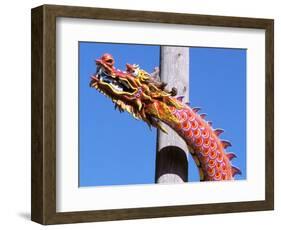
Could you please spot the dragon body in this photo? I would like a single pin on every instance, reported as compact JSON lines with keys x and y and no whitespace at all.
{"x":145,"y":97}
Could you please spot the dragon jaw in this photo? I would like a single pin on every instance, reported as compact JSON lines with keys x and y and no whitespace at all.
{"x":110,"y":84}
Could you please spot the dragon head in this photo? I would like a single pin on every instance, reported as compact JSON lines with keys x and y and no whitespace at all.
{"x":135,"y":91}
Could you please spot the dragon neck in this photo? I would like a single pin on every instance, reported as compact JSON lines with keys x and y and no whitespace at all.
{"x":204,"y":143}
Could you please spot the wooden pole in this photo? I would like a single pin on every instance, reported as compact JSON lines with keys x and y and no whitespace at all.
{"x":172,"y":151}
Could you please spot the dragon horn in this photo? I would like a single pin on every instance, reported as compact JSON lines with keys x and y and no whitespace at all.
{"x":226,"y":143}
{"x":218,"y":131}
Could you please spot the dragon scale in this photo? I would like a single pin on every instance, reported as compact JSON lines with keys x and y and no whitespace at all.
{"x":205,"y":146}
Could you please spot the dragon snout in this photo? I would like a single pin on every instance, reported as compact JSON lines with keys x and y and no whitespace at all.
{"x":93,"y":81}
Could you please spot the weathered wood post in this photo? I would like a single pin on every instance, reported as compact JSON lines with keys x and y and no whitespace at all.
{"x":171,"y":158}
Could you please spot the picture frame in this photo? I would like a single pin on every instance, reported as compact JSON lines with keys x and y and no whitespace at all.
{"x":44,"y":110}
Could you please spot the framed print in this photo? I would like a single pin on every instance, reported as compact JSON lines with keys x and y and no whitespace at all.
{"x":119,"y":114}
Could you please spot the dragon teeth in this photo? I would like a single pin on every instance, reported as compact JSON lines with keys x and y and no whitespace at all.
{"x":123,"y":106}
{"x":128,"y":108}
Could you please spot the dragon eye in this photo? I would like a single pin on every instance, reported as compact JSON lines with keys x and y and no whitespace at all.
{"x":135,"y":72}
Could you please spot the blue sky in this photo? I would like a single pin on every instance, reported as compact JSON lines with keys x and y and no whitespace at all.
{"x":116,"y":149}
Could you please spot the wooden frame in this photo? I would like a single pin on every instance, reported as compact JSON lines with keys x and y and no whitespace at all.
{"x":43,"y":208}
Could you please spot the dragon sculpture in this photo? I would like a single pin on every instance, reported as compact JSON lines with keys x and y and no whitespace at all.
{"x":146,"y":98}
